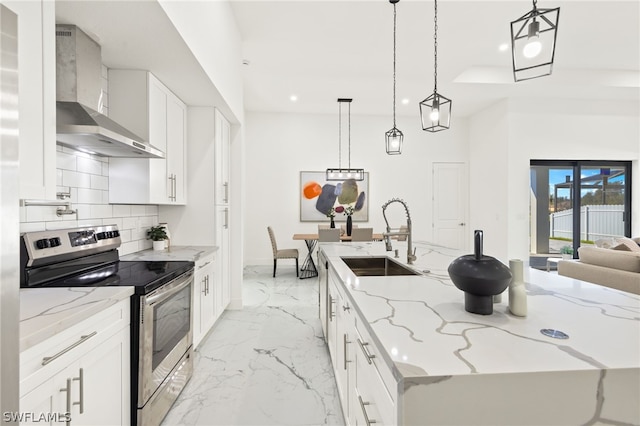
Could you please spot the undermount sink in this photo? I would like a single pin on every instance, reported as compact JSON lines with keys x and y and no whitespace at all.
{"x":376,"y":267}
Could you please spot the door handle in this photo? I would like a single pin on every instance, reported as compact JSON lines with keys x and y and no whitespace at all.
{"x":226,"y":218}
{"x":67,"y":389}
{"x":80,"y":401}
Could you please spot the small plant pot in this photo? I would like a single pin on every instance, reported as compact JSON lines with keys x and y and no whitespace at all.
{"x":159,"y":245}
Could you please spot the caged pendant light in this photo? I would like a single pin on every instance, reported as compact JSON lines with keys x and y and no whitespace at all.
{"x":533,"y":43}
{"x":394,"y":137}
{"x":435,"y":110}
{"x":341,"y":174}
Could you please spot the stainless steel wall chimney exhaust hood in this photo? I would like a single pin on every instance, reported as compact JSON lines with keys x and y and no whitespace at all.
{"x":79,"y":98}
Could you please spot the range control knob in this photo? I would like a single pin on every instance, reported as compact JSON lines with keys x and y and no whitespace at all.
{"x":54,"y":242}
{"x":101,"y":235}
{"x":116,"y":234}
{"x":43,"y":243}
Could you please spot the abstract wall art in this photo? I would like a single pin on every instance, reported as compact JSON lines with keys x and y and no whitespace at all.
{"x":318,"y":196}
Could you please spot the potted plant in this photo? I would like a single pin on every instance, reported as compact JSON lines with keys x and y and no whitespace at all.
{"x":567,"y":252}
{"x":331,"y":214}
{"x":348,"y":211}
{"x":158,"y":235}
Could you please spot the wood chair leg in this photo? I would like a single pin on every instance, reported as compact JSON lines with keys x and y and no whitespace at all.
{"x":297,"y":273}
{"x":275,"y":262}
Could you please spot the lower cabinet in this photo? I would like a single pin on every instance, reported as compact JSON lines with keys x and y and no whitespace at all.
{"x":81,"y":377}
{"x":205,"y":298}
{"x":365,"y":383}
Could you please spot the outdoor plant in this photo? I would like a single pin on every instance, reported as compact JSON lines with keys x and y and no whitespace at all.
{"x":157,"y":233}
{"x":566,"y":250}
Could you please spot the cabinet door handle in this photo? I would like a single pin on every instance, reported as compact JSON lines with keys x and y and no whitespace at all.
{"x":80,"y":401}
{"x":202,"y":266}
{"x":208,"y":291}
{"x":226,"y":192}
{"x":204,"y":285}
{"x":331,"y":313}
{"x":46,"y":360}
{"x":366,"y":352}
{"x":364,"y":411}
{"x":226,"y":218}
{"x":344,"y":343}
{"x":175,"y":187}
{"x":68,"y":391}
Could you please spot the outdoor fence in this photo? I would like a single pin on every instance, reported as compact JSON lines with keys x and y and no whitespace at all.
{"x":595,"y":222}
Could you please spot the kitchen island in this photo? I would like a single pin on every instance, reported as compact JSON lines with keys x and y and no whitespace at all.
{"x":435,"y":363}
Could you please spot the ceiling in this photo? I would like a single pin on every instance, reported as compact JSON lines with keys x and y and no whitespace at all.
{"x":327,"y":49}
{"x":323,"y":50}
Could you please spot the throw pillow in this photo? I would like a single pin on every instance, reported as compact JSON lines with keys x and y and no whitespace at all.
{"x":626,"y":244}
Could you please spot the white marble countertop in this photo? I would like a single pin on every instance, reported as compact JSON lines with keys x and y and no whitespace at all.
{"x":190,"y":253}
{"x":45,"y":312}
{"x":422,"y":324}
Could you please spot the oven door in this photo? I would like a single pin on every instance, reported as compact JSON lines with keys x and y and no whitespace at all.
{"x":165,"y":332}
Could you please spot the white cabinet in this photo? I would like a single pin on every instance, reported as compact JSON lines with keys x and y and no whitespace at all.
{"x":223,"y":279}
{"x":205,"y":298}
{"x":222,"y":199}
{"x":37,"y":97}
{"x":82,"y":374}
{"x":222,"y":156}
{"x":141,"y":103}
{"x":344,"y":344}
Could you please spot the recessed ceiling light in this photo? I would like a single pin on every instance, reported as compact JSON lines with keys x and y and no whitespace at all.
{"x":405,"y":101}
{"x":293,"y":98}
{"x":503,"y":47}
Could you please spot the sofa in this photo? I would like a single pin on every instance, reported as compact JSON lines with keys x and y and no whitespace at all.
{"x":616,"y":267}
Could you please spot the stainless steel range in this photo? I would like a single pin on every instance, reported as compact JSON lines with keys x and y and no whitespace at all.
{"x":161,"y":318}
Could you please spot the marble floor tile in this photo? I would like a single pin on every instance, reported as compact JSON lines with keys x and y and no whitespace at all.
{"x":266,"y":364}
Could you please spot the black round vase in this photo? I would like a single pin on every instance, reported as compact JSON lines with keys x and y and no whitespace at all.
{"x":480,"y":277}
{"x":349,"y":225}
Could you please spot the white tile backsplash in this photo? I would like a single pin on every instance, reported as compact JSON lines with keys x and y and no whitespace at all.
{"x":86,"y":178}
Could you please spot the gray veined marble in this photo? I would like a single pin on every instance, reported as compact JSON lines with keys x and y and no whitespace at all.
{"x":266,"y":364}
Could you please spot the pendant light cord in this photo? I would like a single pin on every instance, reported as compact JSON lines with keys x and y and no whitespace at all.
{"x":340,"y":135}
{"x":394,"y":65}
{"x":349,"y":135}
{"x":435,"y":46}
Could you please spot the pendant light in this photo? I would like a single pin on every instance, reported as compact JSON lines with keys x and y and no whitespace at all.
{"x":394,"y":137}
{"x":341,"y":174}
{"x":435,"y":111}
{"x":533,"y":43}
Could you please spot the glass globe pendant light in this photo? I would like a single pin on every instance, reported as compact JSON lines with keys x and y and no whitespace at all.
{"x":394,"y":137}
{"x":435,"y":110}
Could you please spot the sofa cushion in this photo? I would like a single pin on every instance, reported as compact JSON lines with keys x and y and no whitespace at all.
{"x":623,"y":260}
{"x":626,"y":244}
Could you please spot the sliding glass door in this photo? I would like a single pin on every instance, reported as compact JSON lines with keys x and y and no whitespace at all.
{"x":574,"y":203}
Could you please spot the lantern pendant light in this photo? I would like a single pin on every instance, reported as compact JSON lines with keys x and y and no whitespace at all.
{"x":435,"y":110}
{"x":533,"y":43}
{"x":341,"y":174}
{"x":394,"y":137}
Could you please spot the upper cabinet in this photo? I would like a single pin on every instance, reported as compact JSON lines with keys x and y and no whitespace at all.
{"x":141,"y":103}
{"x":222,"y":159}
{"x":37,"y":97}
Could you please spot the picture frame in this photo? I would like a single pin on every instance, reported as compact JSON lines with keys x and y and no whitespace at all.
{"x":317,"y":195}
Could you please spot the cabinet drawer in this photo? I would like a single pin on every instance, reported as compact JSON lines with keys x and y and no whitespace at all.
{"x":371,"y":401}
{"x":204,"y":261}
{"x":45,"y":359}
{"x":373,"y":360}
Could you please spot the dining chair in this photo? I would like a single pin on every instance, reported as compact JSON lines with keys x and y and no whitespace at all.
{"x":329,"y":235}
{"x":362,"y":234}
{"x":281,"y":253}
{"x":343,"y":228}
{"x":403,"y":228}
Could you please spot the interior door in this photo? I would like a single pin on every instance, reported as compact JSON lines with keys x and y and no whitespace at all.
{"x":450,"y":204}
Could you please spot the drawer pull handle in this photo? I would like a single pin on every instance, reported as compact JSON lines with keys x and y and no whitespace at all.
{"x":364,"y":411}
{"x":80,"y":401}
{"x":366,"y":352}
{"x":68,"y":391}
{"x":46,"y":360}
{"x":344,"y":342}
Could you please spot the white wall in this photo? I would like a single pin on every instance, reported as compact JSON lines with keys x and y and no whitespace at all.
{"x":280,"y":146}
{"x":545,"y":129}
{"x":209,"y":29}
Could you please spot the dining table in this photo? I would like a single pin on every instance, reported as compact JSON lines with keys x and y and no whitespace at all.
{"x":308,"y":269}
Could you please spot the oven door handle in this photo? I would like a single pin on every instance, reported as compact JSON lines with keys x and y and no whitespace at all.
{"x":169,"y":289}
